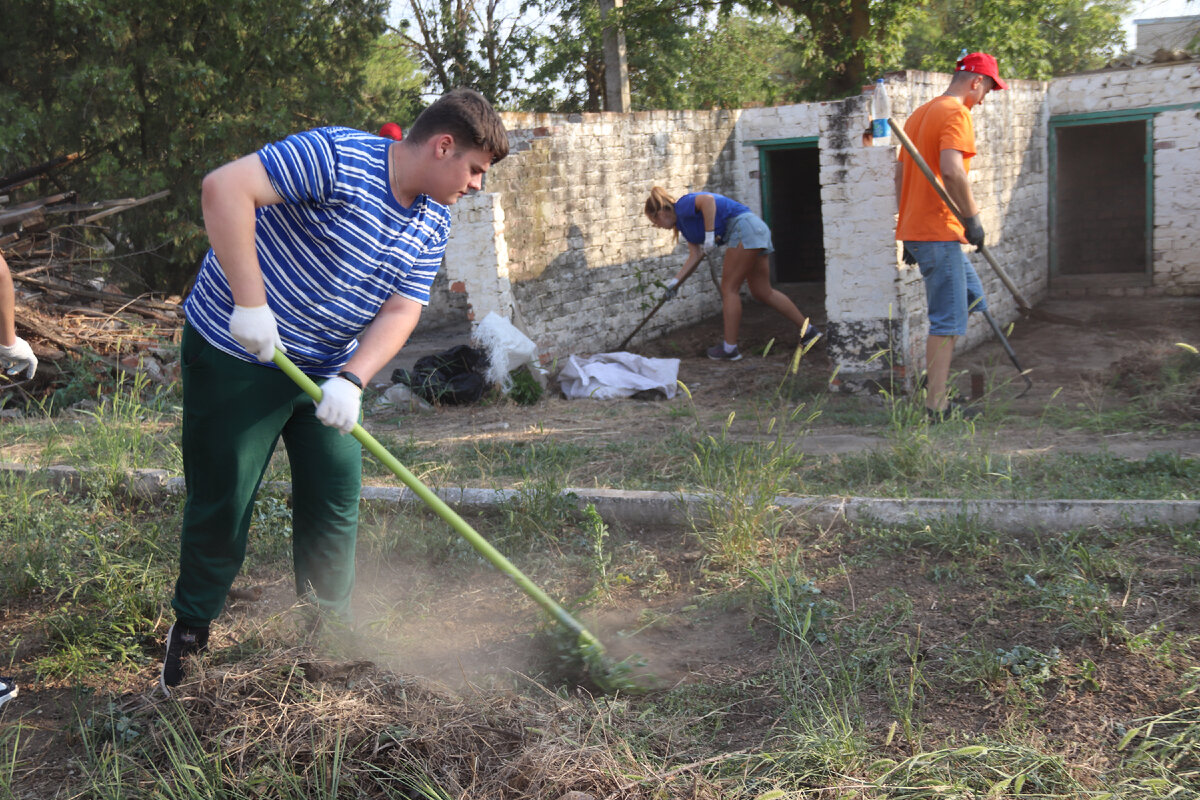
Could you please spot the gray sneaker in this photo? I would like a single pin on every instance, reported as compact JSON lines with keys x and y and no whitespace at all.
{"x":717,"y":353}
{"x":8,"y":690}
{"x":810,"y":336}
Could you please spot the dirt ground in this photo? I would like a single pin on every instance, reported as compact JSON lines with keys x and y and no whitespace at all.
{"x":467,"y":630}
{"x":1071,"y":366}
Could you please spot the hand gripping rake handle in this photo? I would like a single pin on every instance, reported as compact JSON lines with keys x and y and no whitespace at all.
{"x":712,"y":271}
{"x":481,"y":545}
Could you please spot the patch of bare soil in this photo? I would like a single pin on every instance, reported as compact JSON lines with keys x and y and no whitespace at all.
{"x":1090,"y":367}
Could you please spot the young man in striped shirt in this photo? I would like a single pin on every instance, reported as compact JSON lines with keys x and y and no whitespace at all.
{"x":324,"y":245}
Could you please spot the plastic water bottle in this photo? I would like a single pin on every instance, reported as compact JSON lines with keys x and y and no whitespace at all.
{"x":881,"y":109}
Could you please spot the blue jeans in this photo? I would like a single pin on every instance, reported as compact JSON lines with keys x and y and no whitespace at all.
{"x":952,"y":287}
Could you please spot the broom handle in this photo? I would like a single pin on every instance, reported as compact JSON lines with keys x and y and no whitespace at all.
{"x":1022,"y":303}
{"x":460,"y":525}
{"x":711,"y":271}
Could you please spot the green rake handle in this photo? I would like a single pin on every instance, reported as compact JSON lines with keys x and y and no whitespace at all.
{"x":481,"y":545}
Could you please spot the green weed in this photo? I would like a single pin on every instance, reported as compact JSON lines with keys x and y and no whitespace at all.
{"x":1165,"y":751}
{"x":742,"y":480}
{"x":10,"y":760}
{"x":123,"y":432}
{"x":1028,"y":666}
{"x":976,"y":770}
{"x":536,"y":515}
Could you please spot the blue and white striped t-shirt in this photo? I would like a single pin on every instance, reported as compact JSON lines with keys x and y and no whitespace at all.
{"x":337,"y":247}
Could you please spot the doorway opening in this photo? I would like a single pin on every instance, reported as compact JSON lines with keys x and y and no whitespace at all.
{"x":791,"y":201}
{"x":1101,"y":201}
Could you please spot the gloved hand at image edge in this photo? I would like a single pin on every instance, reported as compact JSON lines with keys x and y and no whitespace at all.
{"x":973,"y":231}
{"x":255,"y":329}
{"x":340,"y":404}
{"x":18,"y":356}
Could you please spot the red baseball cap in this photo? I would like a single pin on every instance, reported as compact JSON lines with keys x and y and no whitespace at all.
{"x":392,"y":131}
{"x":981,"y":64}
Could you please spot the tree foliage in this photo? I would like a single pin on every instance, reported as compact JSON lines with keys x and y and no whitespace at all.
{"x":1032,"y":39}
{"x":156,"y":94}
{"x":697,"y":54}
{"x":481,"y":44}
{"x":732,"y":61}
{"x":841,"y":44}
{"x":394,"y":81}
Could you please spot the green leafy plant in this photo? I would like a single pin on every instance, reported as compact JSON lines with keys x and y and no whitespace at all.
{"x":526,"y":390}
{"x":1029,"y":666}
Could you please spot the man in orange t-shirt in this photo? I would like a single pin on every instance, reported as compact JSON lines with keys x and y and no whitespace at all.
{"x":944,"y":135}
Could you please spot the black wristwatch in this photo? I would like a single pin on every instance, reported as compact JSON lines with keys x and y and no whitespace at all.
{"x":350,"y":376}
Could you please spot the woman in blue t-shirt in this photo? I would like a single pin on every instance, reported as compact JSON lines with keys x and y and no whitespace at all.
{"x":706,"y":219}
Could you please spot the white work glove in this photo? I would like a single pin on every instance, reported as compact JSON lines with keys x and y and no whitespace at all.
{"x":672,"y":289}
{"x":710,"y":241}
{"x":18,"y":356}
{"x":255,"y":329}
{"x":340,"y":401}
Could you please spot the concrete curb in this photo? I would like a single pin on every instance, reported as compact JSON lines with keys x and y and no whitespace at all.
{"x":677,"y":509}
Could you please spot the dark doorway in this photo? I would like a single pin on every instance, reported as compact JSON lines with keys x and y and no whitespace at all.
{"x":1100,"y":208}
{"x":792,"y":205}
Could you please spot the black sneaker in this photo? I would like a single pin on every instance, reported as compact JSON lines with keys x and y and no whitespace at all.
{"x":810,"y":336}
{"x":718,"y":353}
{"x":952,"y":410}
{"x":182,"y":641}
{"x":8,"y":690}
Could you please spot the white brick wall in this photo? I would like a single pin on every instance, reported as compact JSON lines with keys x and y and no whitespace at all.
{"x":559,"y":237}
{"x":581,"y":256}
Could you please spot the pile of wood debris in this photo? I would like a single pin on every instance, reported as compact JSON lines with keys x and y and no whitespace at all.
{"x":54,"y":246}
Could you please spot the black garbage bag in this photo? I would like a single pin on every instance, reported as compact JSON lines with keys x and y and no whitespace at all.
{"x":453,"y":377}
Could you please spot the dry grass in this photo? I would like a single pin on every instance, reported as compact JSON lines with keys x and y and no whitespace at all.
{"x":290,"y":706}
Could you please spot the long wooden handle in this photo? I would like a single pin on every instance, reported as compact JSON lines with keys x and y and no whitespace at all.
{"x":1022,"y":303}
{"x":654,"y":310}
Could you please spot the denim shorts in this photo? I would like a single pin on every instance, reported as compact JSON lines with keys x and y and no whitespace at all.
{"x":952,"y":287}
{"x":750,"y":232}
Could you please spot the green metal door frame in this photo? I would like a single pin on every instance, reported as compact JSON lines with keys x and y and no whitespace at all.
{"x":1104,"y":118}
{"x":766,"y":146}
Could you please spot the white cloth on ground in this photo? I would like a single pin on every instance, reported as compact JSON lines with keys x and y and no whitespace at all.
{"x":605,"y":376}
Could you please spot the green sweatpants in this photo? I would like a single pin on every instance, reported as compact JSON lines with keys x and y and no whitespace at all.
{"x":234,"y":413}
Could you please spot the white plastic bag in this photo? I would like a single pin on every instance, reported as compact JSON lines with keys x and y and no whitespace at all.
{"x":506,"y":347}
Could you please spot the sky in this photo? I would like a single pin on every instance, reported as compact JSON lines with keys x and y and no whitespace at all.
{"x":1150,"y":9}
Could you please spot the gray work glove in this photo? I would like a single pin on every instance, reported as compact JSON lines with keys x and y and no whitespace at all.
{"x":672,"y":289}
{"x":18,"y":356}
{"x":340,"y":403}
{"x":974,"y":231}
{"x":255,"y":329}
{"x":710,"y":242}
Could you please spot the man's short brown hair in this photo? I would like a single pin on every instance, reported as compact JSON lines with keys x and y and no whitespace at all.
{"x":466,"y":115}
